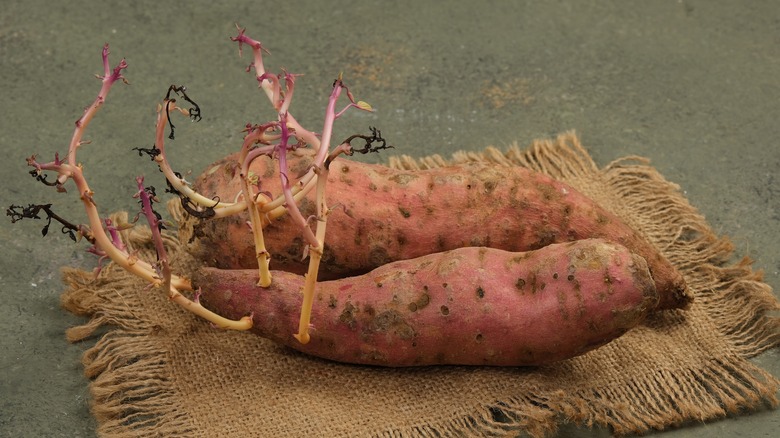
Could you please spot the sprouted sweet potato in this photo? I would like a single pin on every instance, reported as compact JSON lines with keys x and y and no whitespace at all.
{"x":386,"y":215}
{"x":493,"y":307}
{"x":469,"y":306}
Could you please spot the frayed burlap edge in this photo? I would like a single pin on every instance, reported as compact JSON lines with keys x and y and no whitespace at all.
{"x":134,"y":394}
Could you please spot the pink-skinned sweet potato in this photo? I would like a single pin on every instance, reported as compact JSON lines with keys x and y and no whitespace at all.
{"x":384,"y":215}
{"x":469,"y":306}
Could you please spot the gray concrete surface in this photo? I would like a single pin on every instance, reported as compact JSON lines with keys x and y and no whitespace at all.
{"x":691,"y":84}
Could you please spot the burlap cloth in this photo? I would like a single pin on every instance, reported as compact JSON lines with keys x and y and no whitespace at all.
{"x":158,"y":371}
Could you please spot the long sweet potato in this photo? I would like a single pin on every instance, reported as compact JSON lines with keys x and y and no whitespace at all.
{"x":384,"y":215}
{"x":469,"y":306}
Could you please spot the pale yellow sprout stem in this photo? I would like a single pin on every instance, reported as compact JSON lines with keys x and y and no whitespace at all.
{"x":315,"y":256}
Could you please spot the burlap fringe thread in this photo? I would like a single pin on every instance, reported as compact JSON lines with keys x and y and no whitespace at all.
{"x":629,"y":386}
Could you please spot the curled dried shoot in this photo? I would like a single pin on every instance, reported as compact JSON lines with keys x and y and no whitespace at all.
{"x":192,"y":201}
{"x":103,"y":234}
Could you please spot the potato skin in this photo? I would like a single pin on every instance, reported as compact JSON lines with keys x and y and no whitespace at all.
{"x":468,"y":306}
{"x":383,"y":215}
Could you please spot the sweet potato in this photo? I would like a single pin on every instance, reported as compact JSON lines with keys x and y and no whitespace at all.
{"x":468,"y":306}
{"x":384,"y":215}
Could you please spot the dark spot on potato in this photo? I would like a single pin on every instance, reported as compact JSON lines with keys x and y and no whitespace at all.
{"x":444,"y":310}
{"x":490,"y":186}
{"x":370,"y":311}
{"x":348,"y":316}
{"x":403,"y":178}
{"x":520,"y":283}
{"x":562,"y":305}
{"x":372,"y":187}
{"x":300,"y":167}
{"x":555,"y":276}
{"x":549,"y":193}
{"x":444,"y":285}
{"x":374,"y":356}
{"x":378,"y":256}
{"x":392,"y":321}
{"x":333,"y":302}
{"x":307,"y":207}
{"x":345,"y":168}
{"x":542,"y":286}
{"x":468,"y":186}
{"x":480,"y":292}
{"x":532,"y":282}
{"x":601,"y":219}
{"x":479,"y":337}
{"x":423,"y":301}
{"x":545,"y":237}
{"x":570,"y":277}
{"x":401,"y":239}
{"x":404,"y":212}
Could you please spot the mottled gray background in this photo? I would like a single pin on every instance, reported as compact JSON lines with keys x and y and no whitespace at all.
{"x":692,"y":84}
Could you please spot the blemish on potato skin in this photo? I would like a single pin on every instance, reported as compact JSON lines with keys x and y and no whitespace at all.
{"x":403,"y":179}
{"x":421,"y":302}
{"x":444,"y":310}
{"x":545,"y":237}
{"x":562,"y":305}
{"x":343,"y":176}
{"x":391,"y":321}
{"x":520,"y":284}
{"x":378,"y":256}
{"x":479,"y":337}
{"x":532,"y":282}
{"x":480,"y":292}
{"x":404,"y":212}
{"x":348,"y":316}
{"x":548,"y":192}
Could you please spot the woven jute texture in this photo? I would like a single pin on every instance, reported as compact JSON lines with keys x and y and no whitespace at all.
{"x":158,"y":371}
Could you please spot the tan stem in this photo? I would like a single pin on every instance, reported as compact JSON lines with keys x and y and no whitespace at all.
{"x":315,"y":256}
